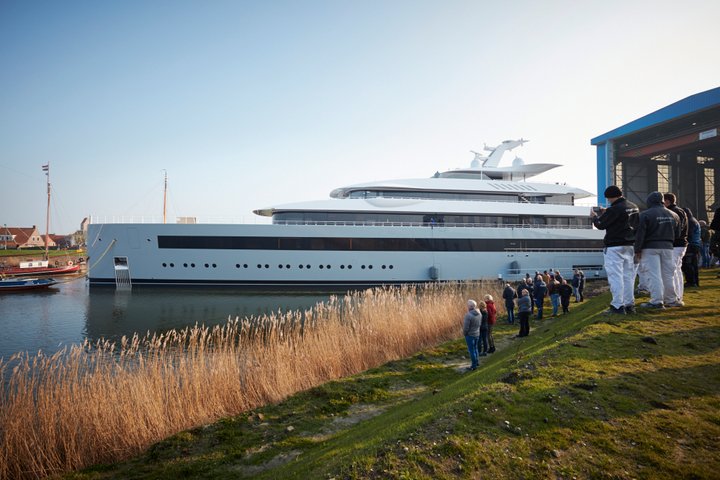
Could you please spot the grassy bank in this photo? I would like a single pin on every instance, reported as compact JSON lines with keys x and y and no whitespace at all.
{"x":585,"y":396}
{"x":103,"y":403}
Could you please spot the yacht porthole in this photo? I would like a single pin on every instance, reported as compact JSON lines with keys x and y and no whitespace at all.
{"x":362,"y":267}
{"x":237,"y":265}
{"x":287,"y":266}
{"x":342,"y":267}
{"x":267,"y":266}
{"x":245,"y":265}
{"x":172,"y":265}
{"x":383,"y":267}
{"x":192,"y":265}
{"x":185,"y":265}
{"x":349,"y":267}
{"x":390,"y":267}
{"x":214,"y":265}
{"x":370,"y":267}
{"x":207,"y":265}
{"x":259,"y":266}
{"x":321,"y":267}
{"x":307,"y":266}
{"x":280,"y":266}
{"x":300,"y":266}
{"x":164,"y":264}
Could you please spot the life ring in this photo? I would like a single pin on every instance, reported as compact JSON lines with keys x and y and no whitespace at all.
{"x":70,"y":263}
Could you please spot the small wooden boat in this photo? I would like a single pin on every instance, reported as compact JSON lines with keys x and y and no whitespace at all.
{"x":40,"y":268}
{"x":17,"y":284}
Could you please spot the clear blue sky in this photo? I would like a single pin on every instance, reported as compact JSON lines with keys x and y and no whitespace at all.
{"x":248,"y":104}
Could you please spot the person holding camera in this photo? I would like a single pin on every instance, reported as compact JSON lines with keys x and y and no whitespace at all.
{"x":619,"y":221}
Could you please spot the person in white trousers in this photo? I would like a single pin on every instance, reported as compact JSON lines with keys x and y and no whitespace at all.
{"x":657,"y":229}
{"x":618,"y":221}
{"x":679,"y":247}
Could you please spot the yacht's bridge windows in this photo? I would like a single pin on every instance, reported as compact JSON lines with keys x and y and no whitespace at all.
{"x":380,"y":218}
{"x":425,"y":195}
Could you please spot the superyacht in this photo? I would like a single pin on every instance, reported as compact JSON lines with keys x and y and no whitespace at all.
{"x":483,"y":222}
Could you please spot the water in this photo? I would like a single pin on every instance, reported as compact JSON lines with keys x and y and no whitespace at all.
{"x":71,"y":312}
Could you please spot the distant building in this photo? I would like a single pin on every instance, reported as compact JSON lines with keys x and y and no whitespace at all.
{"x":25,"y":237}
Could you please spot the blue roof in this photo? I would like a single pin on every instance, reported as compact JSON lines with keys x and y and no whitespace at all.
{"x":693,"y":103}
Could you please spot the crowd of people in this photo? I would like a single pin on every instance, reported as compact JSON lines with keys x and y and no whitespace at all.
{"x":530,"y":295}
{"x":663,"y":247}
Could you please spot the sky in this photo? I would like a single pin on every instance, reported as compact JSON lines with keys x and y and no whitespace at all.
{"x":249,"y":104}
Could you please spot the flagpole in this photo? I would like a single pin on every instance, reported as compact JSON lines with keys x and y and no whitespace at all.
{"x":46,"y":169}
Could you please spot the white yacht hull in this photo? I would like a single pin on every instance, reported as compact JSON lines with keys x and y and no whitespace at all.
{"x":331,"y":256}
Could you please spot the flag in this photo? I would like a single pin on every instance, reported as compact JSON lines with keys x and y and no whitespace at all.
{"x":46,"y":168}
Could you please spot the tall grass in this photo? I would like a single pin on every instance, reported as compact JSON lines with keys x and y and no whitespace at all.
{"x":104,"y":402}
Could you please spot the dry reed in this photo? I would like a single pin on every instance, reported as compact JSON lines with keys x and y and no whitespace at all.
{"x":105,"y":402}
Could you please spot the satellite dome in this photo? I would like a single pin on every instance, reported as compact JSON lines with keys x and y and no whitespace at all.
{"x":518,"y":162}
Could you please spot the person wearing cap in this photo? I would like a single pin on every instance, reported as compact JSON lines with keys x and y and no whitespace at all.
{"x":618,"y":221}
{"x":657,"y":229}
{"x":679,"y":248}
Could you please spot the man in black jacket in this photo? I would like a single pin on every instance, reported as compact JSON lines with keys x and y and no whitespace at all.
{"x":657,"y":229}
{"x":618,"y":221}
{"x":679,"y":247}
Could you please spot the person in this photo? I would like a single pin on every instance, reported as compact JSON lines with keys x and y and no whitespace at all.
{"x":554,"y":293}
{"x":483,"y":341}
{"x":715,"y":238}
{"x":679,"y":245}
{"x":471,"y":330}
{"x":566,"y":292}
{"x":690,"y":264}
{"x":509,"y":295}
{"x":657,"y":229}
{"x":527,"y":285}
{"x":558,"y":276}
{"x":492,"y":318}
{"x":576,"y":284}
{"x":618,"y":221}
{"x":581,"y":286}
{"x":705,"y":243}
{"x":524,"y":309}
{"x":539,"y":293}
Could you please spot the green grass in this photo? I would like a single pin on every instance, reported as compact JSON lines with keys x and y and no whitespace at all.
{"x":584,"y":396}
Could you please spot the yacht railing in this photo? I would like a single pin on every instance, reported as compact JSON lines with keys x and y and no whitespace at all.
{"x":427,"y":224}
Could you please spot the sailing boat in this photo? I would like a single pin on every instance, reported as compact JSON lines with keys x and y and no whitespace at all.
{"x":42,"y":267}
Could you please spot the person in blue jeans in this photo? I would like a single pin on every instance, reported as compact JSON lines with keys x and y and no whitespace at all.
{"x":471,"y":330}
{"x":554,"y":290}
{"x":539,"y":293}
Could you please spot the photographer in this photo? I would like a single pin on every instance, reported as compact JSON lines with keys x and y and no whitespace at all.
{"x":619,"y":221}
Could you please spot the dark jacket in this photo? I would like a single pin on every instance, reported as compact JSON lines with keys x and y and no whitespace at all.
{"x":509,"y":295}
{"x":524,"y":304}
{"x":565,"y":291}
{"x":619,"y":221}
{"x":682,"y":240}
{"x":540,"y":290}
{"x":658,"y":226}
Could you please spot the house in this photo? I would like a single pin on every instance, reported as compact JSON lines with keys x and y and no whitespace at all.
{"x":22,"y":237}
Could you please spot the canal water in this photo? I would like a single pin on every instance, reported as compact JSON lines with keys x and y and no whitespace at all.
{"x":71,"y":312}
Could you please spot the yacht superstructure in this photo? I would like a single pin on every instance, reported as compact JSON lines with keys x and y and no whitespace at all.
{"x":485,"y":221}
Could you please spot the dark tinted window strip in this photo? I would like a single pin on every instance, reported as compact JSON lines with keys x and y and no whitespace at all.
{"x":371,"y":244}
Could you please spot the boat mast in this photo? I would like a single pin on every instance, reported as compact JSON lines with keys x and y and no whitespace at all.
{"x":165,"y":199}
{"x":46,"y":169}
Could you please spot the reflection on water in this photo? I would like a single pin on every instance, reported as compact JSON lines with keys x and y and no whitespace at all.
{"x":71,"y":312}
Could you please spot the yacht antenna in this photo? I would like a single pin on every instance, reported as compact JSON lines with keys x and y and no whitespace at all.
{"x":165,"y":199}
{"x":46,"y":169}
